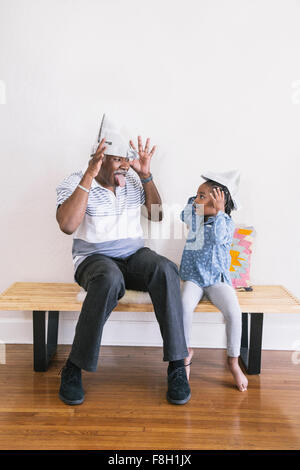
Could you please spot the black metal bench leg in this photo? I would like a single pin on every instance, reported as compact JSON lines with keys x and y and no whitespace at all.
{"x":43,"y":350}
{"x":251,"y":353}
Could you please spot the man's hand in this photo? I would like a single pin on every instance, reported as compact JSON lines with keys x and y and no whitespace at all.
{"x":218,"y":199}
{"x":96,"y":161}
{"x":142,"y":166}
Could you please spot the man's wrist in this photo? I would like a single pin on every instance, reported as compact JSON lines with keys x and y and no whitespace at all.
{"x":87,"y":180}
{"x":146,"y":179}
{"x":144,"y":176}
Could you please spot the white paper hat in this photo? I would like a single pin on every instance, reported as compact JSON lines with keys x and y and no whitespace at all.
{"x":115,"y":143}
{"x":230,"y":179}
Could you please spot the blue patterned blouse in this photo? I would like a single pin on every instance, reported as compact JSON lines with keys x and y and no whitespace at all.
{"x":206,"y":255}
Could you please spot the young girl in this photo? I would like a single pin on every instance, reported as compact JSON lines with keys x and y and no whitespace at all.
{"x":205,"y":263}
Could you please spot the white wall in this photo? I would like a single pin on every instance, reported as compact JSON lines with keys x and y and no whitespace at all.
{"x":215,"y":83}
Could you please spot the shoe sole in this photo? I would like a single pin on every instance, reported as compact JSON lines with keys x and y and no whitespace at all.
{"x":178,"y":402}
{"x":70,"y":402}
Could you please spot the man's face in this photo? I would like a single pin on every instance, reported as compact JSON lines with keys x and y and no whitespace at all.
{"x":114,"y":170}
{"x":203,"y":197}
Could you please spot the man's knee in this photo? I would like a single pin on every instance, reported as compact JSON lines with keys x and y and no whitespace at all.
{"x":164,"y":265}
{"x":108,"y":279}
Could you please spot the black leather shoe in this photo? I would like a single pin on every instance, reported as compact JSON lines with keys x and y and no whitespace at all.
{"x":179,"y":391}
{"x":71,"y":391}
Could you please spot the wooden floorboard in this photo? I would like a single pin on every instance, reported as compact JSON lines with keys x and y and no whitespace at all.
{"x":126,"y":408}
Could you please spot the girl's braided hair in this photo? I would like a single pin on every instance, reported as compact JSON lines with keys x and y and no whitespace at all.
{"x":228,"y":200}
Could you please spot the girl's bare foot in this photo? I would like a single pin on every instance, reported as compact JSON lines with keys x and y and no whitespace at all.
{"x":187,"y":361}
{"x":240,"y":379}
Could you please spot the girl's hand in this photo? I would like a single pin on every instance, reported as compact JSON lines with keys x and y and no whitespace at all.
{"x":142,"y":166}
{"x":218,"y":199}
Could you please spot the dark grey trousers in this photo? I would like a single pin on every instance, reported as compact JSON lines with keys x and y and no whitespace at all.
{"x":105,"y":280}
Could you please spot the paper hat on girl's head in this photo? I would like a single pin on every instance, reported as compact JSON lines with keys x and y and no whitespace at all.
{"x":115,"y":143}
{"x":230,"y":179}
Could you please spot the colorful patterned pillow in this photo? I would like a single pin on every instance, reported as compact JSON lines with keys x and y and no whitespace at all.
{"x":241,"y":250}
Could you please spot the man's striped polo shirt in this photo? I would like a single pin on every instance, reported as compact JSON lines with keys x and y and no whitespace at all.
{"x":111,"y":225}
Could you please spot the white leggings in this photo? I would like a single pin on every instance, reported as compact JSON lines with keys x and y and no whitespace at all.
{"x":224,"y":297}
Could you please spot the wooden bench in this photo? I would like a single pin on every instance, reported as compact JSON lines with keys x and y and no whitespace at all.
{"x":55,"y":298}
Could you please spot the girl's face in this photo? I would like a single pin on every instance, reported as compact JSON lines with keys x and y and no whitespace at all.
{"x":203,"y":197}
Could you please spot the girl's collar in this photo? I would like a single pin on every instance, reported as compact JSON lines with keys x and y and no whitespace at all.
{"x":210,"y":219}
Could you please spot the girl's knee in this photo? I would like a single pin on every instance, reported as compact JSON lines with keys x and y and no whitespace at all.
{"x":188,"y":304}
{"x":232,"y":316}
{"x":191,"y":295}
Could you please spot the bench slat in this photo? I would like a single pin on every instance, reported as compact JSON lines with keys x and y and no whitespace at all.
{"x":47,"y":296}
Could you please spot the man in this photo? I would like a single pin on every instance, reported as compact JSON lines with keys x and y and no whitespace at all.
{"x":101,"y":207}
